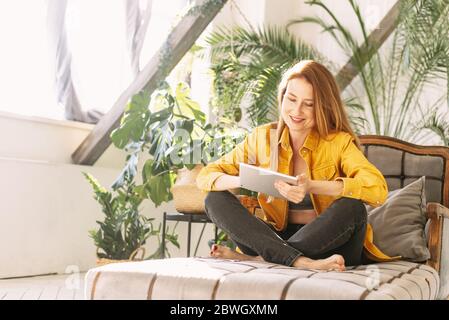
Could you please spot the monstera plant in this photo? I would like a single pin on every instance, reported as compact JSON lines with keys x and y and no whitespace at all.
{"x":168,"y":130}
{"x":151,"y":131}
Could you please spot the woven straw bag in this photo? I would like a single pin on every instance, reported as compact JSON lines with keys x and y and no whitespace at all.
{"x":132,"y":258}
{"x":186,"y":195}
{"x":189,"y":199}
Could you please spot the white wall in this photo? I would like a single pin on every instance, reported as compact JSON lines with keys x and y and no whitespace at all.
{"x":47,"y":206}
{"x":45,"y":212}
{"x":372,"y":10}
{"x":34,"y":138}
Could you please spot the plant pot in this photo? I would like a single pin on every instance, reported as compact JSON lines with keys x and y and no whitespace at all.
{"x":132,"y":258}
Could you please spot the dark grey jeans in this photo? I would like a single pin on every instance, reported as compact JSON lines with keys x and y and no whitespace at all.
{"x":340,"y":229}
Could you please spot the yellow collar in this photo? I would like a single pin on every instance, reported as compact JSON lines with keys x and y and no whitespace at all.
{"x":310,"y":143}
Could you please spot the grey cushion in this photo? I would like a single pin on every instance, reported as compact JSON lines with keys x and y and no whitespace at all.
{"x":398,"y":224}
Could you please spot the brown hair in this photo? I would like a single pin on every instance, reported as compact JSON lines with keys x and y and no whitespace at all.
{"x":330,"y":113}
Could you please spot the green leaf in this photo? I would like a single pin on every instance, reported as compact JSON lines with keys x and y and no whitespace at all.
{"x":159,"y":187}
{"x":173,"y":240}
{"x":128,"y":172}
{"x":147,"y":170}
{"x":161,"y":116}
{"x":187,"y":106}
{"x":98,"y":189}
{"x":185,"y":124}
{"x":140,"y":191}
{"x":133,"y":124}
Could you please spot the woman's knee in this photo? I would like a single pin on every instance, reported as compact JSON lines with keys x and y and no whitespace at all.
{"x":214,"y":198}
{"x":216,"y":201}
{"x":352,"y":208}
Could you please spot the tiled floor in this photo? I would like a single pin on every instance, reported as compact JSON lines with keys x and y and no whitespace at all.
{"x":50,"y":287}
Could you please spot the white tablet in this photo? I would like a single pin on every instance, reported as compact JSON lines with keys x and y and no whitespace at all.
{"x":262,"y":180}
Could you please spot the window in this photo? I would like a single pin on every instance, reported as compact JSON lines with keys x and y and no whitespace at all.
{"x":96,"y":33}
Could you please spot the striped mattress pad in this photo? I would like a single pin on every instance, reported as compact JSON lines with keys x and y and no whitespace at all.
{"x":220,"y":279}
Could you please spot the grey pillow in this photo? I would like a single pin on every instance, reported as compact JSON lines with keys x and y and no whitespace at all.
{"x":398,"y":225}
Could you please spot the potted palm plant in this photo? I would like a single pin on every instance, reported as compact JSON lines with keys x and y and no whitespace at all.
{"x":416,"y":55}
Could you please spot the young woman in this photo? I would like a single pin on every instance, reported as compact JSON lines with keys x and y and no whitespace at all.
{"x":322,"y":222}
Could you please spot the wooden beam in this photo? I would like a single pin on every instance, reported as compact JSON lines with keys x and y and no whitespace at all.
{"x":376,"y":38}
{"x":179,"y":41}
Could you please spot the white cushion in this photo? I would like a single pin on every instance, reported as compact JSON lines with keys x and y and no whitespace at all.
{"x":211,"y":278}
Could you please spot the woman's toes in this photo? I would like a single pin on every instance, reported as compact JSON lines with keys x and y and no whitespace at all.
{"x":214,"y":250}
{"x":216,"y":254}
{"x":338,"y":267}
{"x":219,"y":251}
{"x":339,"y":262}
{"x":337,"y":259}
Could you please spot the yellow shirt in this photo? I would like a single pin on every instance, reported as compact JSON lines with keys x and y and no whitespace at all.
{"x":334,"y":158}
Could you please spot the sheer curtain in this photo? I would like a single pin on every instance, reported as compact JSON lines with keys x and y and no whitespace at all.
{"x":108,"y":42}
{"x":95,"y":54}
{"x":138,"y":16}
{"x":71,"y":59}
{"x":60,"y":19}
{"x":66,"y":93}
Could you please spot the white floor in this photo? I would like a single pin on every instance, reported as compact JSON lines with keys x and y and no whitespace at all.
{"x":50,"y":287}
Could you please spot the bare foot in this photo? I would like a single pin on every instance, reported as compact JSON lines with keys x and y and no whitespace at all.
{"x":219,"y":251}
{"x":334,"y":262}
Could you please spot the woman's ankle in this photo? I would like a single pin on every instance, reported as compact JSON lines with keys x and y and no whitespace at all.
{"x":301,"y":261}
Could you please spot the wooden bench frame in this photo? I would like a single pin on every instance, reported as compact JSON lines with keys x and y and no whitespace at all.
{"x":435,"y":212}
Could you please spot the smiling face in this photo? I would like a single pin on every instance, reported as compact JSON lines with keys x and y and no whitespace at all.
{"x":298,"y":108}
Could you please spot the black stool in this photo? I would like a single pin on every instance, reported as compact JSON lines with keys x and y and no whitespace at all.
{"x":186,"y":217}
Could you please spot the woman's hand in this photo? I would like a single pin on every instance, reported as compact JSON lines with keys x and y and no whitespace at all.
{"x":294,"y":193}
